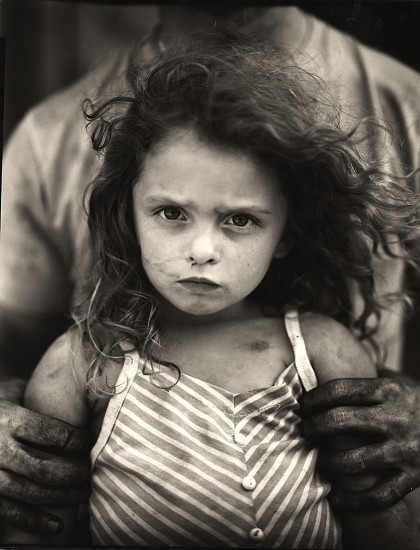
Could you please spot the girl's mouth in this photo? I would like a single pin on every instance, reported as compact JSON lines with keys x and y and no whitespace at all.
{"x":199,"y":284}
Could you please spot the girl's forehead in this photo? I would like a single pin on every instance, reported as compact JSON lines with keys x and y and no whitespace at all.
{"x":186,"y":165}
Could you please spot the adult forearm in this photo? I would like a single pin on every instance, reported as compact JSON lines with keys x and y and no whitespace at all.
{"x":24,"y":338}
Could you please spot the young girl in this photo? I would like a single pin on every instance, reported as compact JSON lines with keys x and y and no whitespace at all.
{"x":231,"y":220}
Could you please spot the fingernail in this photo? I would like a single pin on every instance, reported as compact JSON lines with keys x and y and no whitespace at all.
{"x":54,"y":526}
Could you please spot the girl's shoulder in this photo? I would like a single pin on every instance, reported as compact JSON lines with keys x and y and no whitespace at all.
{"x":57,"y":385}
{"x":333,"y":350}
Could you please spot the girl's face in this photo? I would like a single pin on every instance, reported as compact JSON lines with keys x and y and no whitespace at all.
{"x":208,"y":223}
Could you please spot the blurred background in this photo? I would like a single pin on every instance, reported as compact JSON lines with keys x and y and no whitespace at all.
{"x":46,"y":44}
{"x":49,"y":43}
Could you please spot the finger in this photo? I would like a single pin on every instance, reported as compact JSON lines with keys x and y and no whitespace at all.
{"x":44,"y":468}
{"x":354,"y":461}
{"x":25,"y":518}
{"x":343,"y":421}
{"x":366,"y":458}
{"x":386,"y":493}
{"x":52,"y":434}
{"x":342,"y":392}
{"x":27,"y":491}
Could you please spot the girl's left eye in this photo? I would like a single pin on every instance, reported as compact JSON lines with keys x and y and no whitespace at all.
{"x":170,"y":213}
{"x":241,"y":220}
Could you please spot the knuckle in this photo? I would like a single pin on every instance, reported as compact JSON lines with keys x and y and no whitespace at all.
{"x":401,"y":428}
{"x":391,"y":421}
{"x":354,"y":462}
{"x":64,"y":435}
{"x":47,"y":474}
{"x":392,"y":389}
{"x":383,"y":389}
{"x":31,"y":494}
{"x":336,"y":419}
{"x":336,"y":388}
{"x":396,"y":491}
{"x":37,"y":468}
{"x":387,"y":424}
{"x":11,"y":454}
{"x":58,"y":472}
{"x":345,"y":462}
{"x":78,"y":441}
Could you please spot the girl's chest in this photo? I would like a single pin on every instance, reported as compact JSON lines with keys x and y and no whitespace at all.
{"x":235,"y":359}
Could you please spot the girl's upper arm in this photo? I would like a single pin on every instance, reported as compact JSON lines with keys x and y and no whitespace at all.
{"x":334,"y":351}
{"x":56,"y":387}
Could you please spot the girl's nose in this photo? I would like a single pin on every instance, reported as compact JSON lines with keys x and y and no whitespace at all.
{"x":203,"y":249}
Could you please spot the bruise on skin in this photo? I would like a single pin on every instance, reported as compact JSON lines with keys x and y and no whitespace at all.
{"x":258,"y":345}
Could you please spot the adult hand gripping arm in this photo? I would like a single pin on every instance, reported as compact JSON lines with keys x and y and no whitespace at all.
{"x":43,"y":461}
{"x":387,"y":411}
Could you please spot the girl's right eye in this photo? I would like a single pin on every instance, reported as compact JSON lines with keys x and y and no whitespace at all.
{"x":170,"y":213}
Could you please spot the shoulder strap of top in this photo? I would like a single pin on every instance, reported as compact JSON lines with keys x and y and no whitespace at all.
{"x":303,"y":365}
{"x":125,"y":378}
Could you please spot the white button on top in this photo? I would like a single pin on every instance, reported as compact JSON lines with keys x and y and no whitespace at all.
{"x":256,"y":534}
{"x":239,"y":439}
{"x":249,"y":483}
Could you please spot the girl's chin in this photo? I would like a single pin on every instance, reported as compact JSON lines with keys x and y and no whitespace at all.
{"x":202,"y":311}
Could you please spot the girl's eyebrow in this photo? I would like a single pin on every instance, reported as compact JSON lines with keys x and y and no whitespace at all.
{"x":163,"y":199}
{"x":159,"y":200}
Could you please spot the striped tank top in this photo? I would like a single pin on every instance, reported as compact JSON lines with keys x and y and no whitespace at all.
{"x":197,"y":465}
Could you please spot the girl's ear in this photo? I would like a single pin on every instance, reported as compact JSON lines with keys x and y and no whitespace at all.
{"x":282,"y":249}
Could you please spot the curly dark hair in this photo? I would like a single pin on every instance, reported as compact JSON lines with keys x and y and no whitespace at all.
{"x":245,"y":95}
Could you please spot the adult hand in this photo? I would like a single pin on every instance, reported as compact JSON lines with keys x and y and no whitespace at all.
{"x":43,"y":461}
{"x":387,"y":412}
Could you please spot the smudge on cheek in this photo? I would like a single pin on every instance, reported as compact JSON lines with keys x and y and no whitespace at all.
{"x":163,"y":261}
{"x":162,"y":266}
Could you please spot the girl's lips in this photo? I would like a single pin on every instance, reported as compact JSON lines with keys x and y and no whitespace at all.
{"x":199,"y":280}
{"x":199,"y":284}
